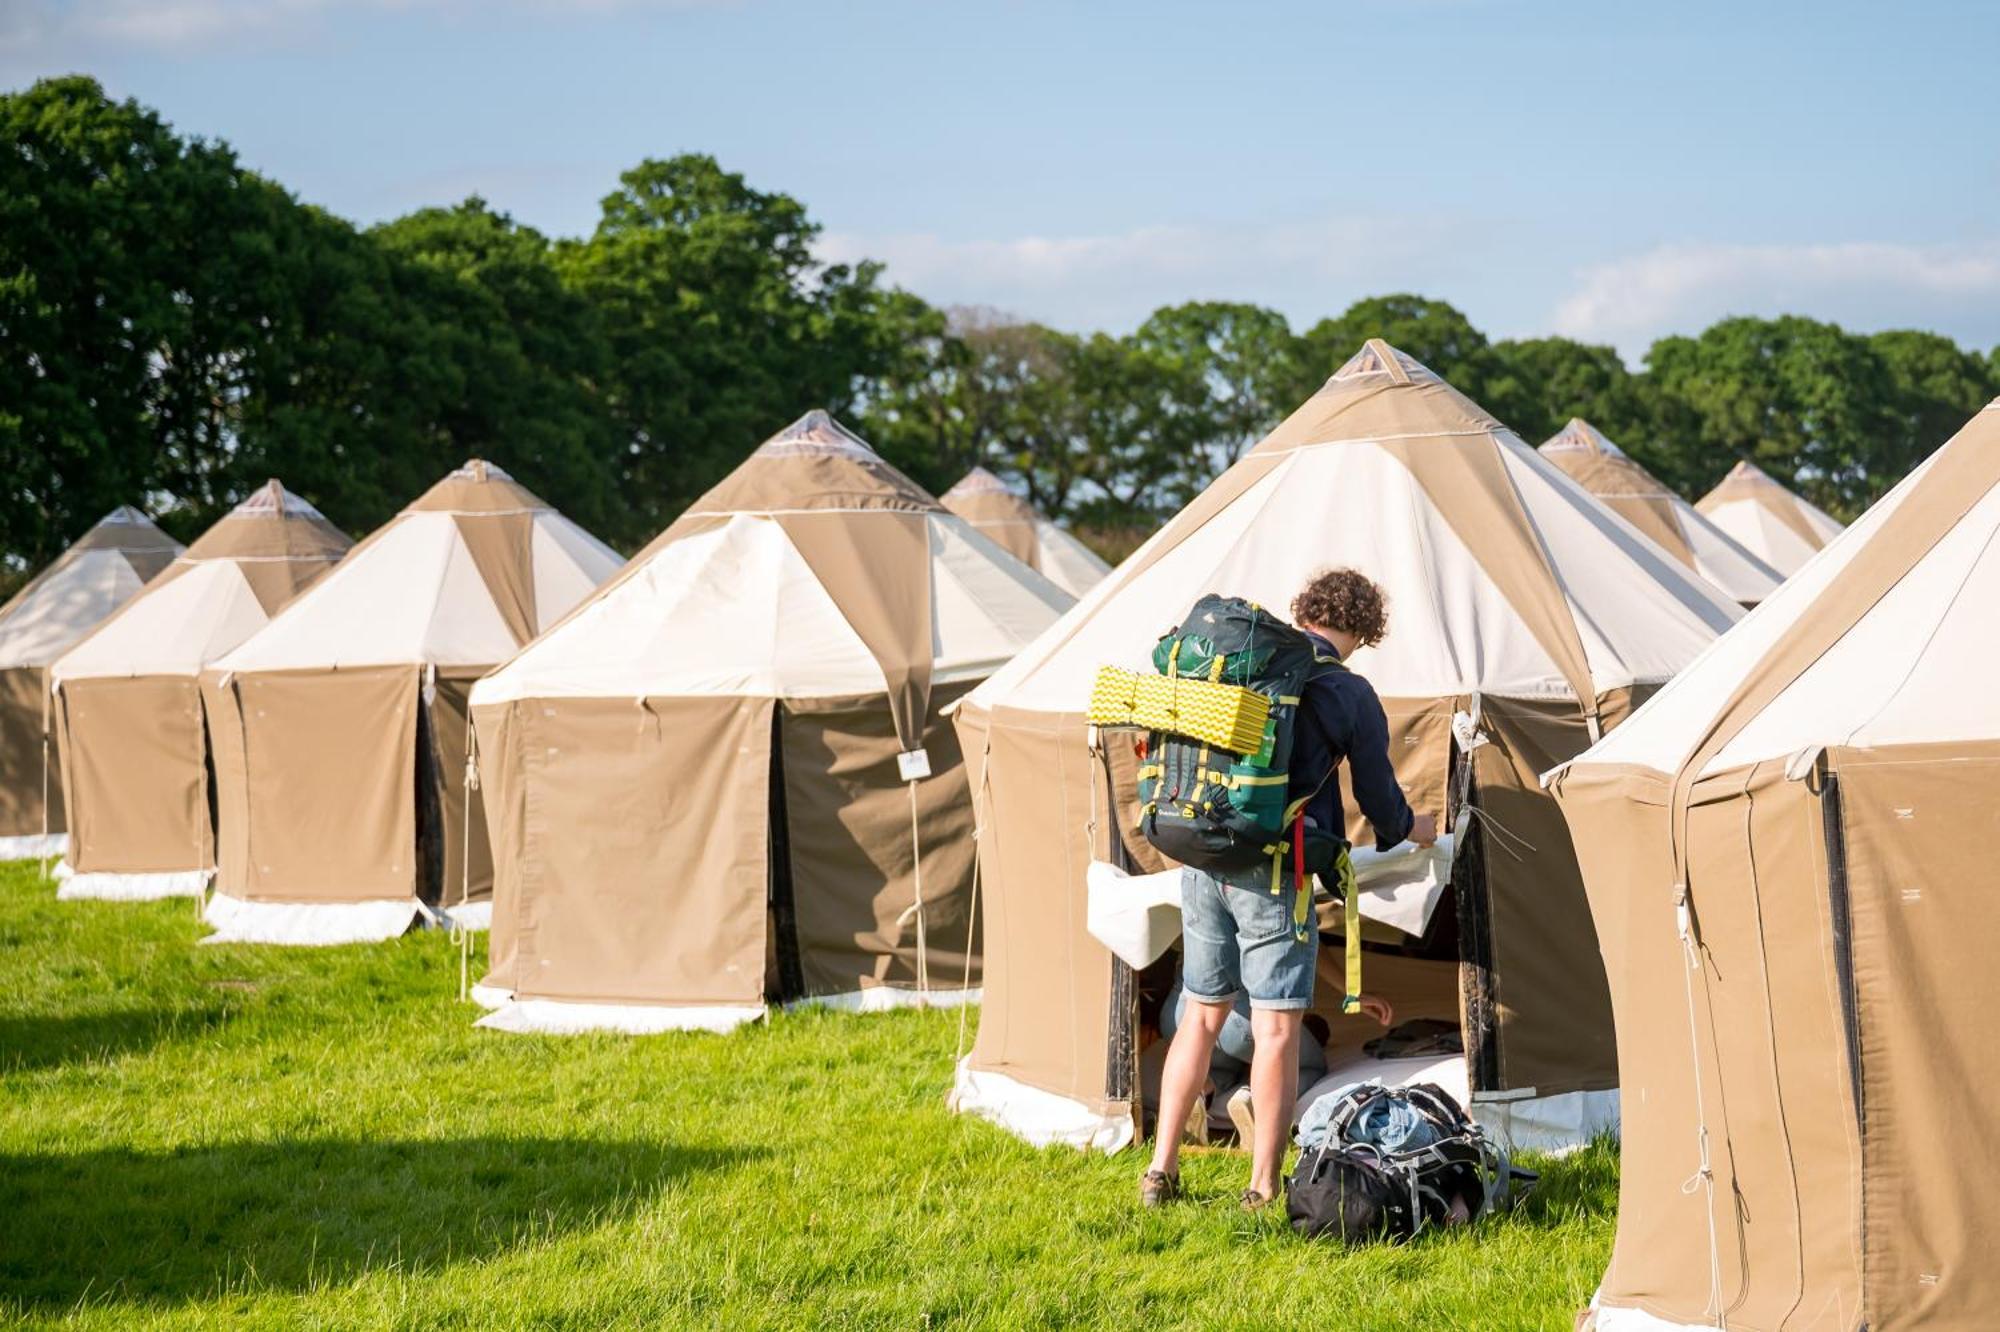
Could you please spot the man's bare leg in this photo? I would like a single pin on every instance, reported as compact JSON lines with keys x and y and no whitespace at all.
{"x":1274,"y":1090}
{"x":1182,"y":1078}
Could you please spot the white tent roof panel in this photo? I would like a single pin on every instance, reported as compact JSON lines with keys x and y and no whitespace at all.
{"x":1632,"y":629}
{"x":1763,"y":534}
{"x":685,"y":623}
{"x":1451,"y":629}
{"x":57,"y":613}
{"x":984,"y":605}
{"x":183,"y":625}
{"x":1665,"y":731}
{"x":570,"y":563}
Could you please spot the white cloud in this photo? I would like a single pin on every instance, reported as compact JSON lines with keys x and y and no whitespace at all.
{"x":1954,"y":289}
{"x":1306,"y":268}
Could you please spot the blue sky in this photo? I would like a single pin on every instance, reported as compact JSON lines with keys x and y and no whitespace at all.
{"x":1608,"y":170}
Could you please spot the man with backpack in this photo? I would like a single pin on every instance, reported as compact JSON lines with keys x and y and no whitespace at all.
{"x":1239,"y":931}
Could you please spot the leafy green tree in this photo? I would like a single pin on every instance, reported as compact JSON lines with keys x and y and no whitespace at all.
{"x":1807,"y":401}
{"x":961,"y":393}
{"x":521,"y":355}
{"x":720,"y":324}
{"x":1549,"y":380}
{"x":135,"y":272}
{"x":1107,"y":431}
{"x":1247,"y":360}
{"x":1938,"y":386}
{"x":344,"y":406}
{"x":1141,"y":426}
{"x":1435,"y":332}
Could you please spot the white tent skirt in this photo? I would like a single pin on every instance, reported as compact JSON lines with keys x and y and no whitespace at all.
{"x":238,"y":921}
{"x":106,"y":886}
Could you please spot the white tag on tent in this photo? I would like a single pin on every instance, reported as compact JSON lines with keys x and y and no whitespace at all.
{"x":1136,"y":916}
{"x":914,"y":765}
{"x":1465,"y":730}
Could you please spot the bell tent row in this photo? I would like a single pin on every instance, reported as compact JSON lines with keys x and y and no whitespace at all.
{"x":127,"y":699}
{"x":1525,"y":618}
{"x":104,"y":569}
{"x":1769,"y":521}
{"x":1637,"y":496}
{"x":1788,"y":854}
{"x":725,"y":780}
{"x":339,"y":728}
{"x":1013,"y":524}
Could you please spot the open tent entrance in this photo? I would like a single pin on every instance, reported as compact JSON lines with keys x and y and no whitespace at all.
{"x":842,"y":896}
{"x":784,"y":973}
{"x":1439,"y":983}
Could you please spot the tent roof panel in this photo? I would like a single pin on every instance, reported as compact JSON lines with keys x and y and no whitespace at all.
{"x":984,"y":500}
{"x":725,"y":601}
{"x":1361,"y":476}
{"x":267,"y":548}
{"x":1666,"y":731}
{"x":101,"y":570}
{"x":1642,"y":614}
{"x":57,"y":611}
{"x":1606,"y":471}
{"x":413,"y":593}
{"x":984,"y":607}
{"x":174,"y":628}
{"x":727,"y":611}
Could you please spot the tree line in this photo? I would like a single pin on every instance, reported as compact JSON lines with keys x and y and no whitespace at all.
{"x":174,"y":328}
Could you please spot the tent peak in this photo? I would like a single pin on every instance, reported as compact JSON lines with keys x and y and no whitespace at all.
{"x":817,"y":432}
{"x":478,"y":469}
{"x":1745,"y":470}
{"x":124,"y":516}
{"x":272,"y":498}
{"x":1377,"y":357}
{"x":1581,"y":435}
{"x":978,"y":481}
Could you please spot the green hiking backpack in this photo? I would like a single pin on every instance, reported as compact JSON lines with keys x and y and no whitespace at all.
{"x":1220,"y":811}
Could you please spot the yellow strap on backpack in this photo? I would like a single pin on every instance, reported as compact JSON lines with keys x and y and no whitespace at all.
{"x":1350,"y":894}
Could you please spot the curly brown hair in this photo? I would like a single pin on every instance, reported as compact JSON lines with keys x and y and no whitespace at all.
{"x":1344,"y":600}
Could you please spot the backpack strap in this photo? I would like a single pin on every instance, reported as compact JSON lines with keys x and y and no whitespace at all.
{"x":1350,"y":924}
{"x":1346,"y":887}
{"x":1351,"y":1105}
{"x":1438,"y":1106}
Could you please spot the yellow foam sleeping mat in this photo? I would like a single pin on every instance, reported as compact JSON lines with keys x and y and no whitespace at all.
{"x":1224,"y":715}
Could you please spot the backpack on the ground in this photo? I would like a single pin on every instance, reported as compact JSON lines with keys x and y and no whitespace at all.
{"x":1384,"y":1163}
{"x":1225,"y":810}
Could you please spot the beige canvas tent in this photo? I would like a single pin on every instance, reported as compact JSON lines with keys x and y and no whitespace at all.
{"x":1637,"y":496}
{"x":104,"y":569}
{"x":1012,"y":524}
{"x":339,"y":729}
{"x":135,"y":755}
{"x":1524,"y":616}
{"x":724,"y":779}
{"x":1804,"y":1034}
{"x":1766,"y":519}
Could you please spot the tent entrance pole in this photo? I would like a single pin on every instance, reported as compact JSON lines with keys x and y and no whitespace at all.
{"x":1121,"y":1055}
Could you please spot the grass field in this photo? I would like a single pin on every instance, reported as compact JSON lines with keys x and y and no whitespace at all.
{"x":318,"y":1138}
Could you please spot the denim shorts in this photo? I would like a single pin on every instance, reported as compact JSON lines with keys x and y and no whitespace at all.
{"x":1238,"y":939}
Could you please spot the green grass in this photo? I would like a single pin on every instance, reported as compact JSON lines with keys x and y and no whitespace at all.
{"x":311,"y":1138}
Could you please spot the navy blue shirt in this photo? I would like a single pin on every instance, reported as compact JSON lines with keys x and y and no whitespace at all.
{"x":1340,"y":718}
